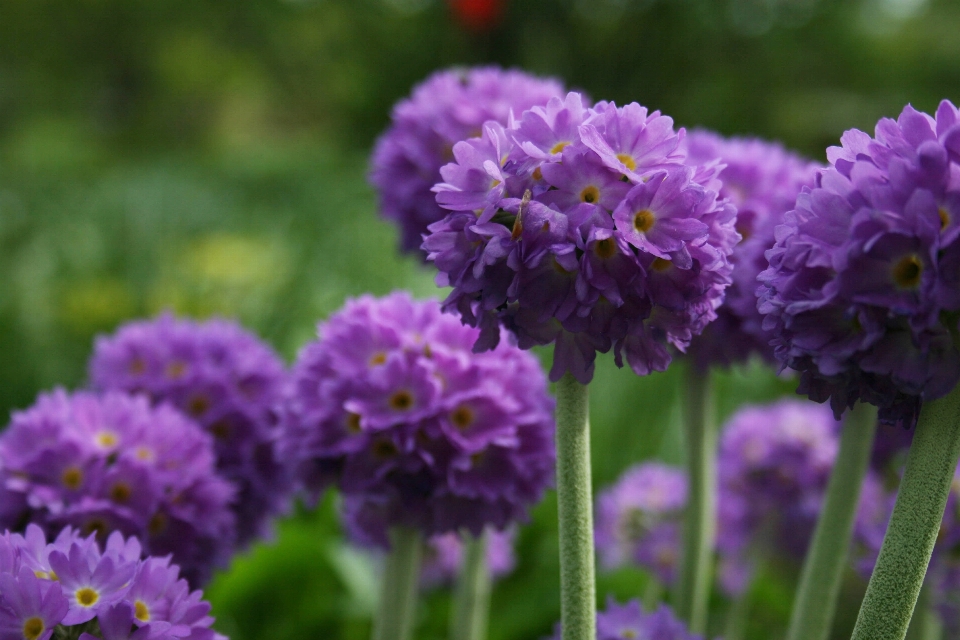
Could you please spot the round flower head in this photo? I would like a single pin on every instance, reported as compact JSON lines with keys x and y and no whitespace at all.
{"x":762,"y":179}
{"x":228,"y":381}
{"x":443,"y":557}
{"x":446,"y":108}
{"x":415,"y":429}
{"x":81,"y":588}
{"x":863,"y":289}
{"x":639,"y":519}
{"x":630,"y":621}
{"x":773,"y":466}
{"x":585,"y":228}
{"x":113,"y":463}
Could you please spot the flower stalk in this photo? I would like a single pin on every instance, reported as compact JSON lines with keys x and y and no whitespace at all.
{"x":898,"y":575}
{"x":471,"y":599}
{"x":578,"y":606}
{"x":816,"y":599}
{"x":693,"y":588}
{"x":398,"y":595}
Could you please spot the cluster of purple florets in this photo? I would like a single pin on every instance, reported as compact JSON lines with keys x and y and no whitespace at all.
{"x":446,"y":108}
{"x":443,"y":557}
{"x":111,"y":462}
{"x":622,"y":621}
{"x":863,"y":288}
{"x":224,"y":378}
{"x":391,"y":405}
{"x":773,"y":465}
{"x":762,"y":180}
{"x":639,"y":519}
{"x":70,"y":588}
{"x":586,"y":228}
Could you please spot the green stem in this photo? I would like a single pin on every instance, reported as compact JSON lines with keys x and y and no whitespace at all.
{"x":578,"y":591}
{"x":398,"y":594}
{"x":816,"y":600}
{"x":736,"y":623}
{"x":652,"y":594}
{"x":693,"y":588}
{"x":471,"y":600}
{"x":912,"y":531}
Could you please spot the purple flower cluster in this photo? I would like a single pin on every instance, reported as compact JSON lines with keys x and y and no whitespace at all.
{"x":863,"y":288}
{"x":443,"y":557}
{"x":69,"y":588}
{"x":773,"y":464}
{"x":446,"y":108}
{"x":113,"y":463}
{"x":391,"y":405}
{"x":629,"y":620}
{"x":762,"y":179}
{"x":639,"y":519}
{"x":583,"y":227}
{"x":225,"y":379}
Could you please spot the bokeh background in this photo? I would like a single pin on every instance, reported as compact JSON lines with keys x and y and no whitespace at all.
{"x":210,"y":157}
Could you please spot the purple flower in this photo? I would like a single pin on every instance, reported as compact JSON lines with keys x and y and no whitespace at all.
{"x":109,"y":589}
{"x":443,"y":557}
{"x":629,"y":620}
{"x":762,"y":180}
{"x":585,"y":228}
{"x":773,"y":466}
{"x":391,"y":405}
{"x":639,"y":519}
{"x":113,"y":463}
{"x":227,"y":380}
{"x":446,"y":108}
{"x":861,"y":293}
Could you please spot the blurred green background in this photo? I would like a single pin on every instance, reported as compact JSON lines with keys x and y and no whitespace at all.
{"x":210,"y":157}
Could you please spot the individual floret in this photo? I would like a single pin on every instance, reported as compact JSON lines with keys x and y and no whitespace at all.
{"x":622,"y":621}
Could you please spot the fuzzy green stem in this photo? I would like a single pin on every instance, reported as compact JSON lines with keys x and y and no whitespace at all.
{"x":398,"y":594}
{"x":471,"y":600}
{"x":816,"y":600}
{"x":735,"y":625}
{"x":578,"y":607}
{"x":693,"y":588}
{"x":652,"y":594}
{"x":898,"y":575}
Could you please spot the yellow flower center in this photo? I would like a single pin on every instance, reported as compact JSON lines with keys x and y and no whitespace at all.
{"x":72,"y":477}
{"x":401,"y":400}
{"x":33,"y":627}
{"x":906,"y":273}
{"x":378,"y":358}
{"x":143,"y":453}
{"x":627,"y":160}
{"x":197,"y":405}
{"x":157,"y":523}
{"x":96,"y":525}
{"x":87,"y":597}
{"x":557,"y":148}
{"x":384,"y":448}
{"x":106,"y":439}
{"x":944,"y":217}
{"x":462,"y":417}
{"x":605,"y":248}
{"x":628,"y":634}
{"x":141,"y":611}
{"x":660,"y":264}
{"x":643,"y":220}
{"x":120,"y":492}
{"x":176,"y":369}
{"x":352,"y":423}
{"x":220,"y":429}
{"x":590,"y":194}
{"x":537,"y":174}
{"x":137,"y":366}
{"x":46,"y":575}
